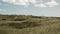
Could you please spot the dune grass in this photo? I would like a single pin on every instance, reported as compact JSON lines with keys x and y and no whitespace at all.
{"x":29,"y":24}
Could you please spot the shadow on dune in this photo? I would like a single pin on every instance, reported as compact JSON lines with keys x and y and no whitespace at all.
{"x":21,"y":25}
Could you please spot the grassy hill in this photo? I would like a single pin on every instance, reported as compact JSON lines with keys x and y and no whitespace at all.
{"x":28,"y":24}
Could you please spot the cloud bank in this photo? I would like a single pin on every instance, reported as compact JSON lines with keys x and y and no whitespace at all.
{"x":40,"y":5}
{"x":51,"y":3}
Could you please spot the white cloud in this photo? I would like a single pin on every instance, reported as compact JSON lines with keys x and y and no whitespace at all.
{"x":52,"y":3}
{"x":41,"y":5}
{"x":17,"y":2}
{"x":9,"y":1}
{"x":33,"y":1}
{"x":21,"y":2}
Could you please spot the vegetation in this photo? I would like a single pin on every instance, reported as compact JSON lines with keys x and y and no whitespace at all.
{"x":28,"y":24}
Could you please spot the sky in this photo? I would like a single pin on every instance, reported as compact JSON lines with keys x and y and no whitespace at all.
{"x":31,"y":7}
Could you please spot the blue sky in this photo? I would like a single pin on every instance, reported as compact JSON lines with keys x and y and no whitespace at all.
{"x":31,"y":7}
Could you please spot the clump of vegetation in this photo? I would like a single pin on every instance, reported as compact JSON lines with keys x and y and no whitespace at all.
{"x":3,"y":19}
